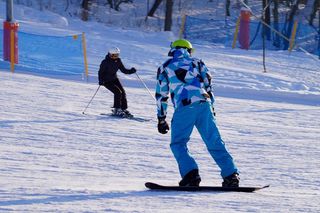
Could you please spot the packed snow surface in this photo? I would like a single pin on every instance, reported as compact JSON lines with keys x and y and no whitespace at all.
{"x":56,"y":159}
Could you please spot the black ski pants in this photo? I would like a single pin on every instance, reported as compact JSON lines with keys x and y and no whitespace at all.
{"x":120,"y":99}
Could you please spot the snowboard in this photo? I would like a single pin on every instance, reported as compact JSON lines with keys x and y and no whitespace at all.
{"x":155,"y":186}
{"x":140,"y":119}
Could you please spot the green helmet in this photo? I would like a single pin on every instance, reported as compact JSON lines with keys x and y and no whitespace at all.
{"x":182,"y":43}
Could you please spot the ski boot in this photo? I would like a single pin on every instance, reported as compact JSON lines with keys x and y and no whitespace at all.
{"x":191,"y":179}
{"x":127,"y":114}
{"x":118,"y":112}
{"x":231,"y":180}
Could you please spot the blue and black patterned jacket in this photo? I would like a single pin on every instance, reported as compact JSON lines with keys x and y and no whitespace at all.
{"x":187,"y":80}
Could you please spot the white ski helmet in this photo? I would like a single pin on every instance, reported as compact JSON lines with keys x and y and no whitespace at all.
{"x":114,"y":50}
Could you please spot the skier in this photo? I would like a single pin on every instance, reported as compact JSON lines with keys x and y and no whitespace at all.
{"x":189,"y":83}
{"x":109,"y":79}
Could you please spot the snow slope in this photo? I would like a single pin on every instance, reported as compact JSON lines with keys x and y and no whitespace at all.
{"x":55,"y":159}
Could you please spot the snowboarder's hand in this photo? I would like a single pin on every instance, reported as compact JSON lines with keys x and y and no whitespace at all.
{"x":101,"y":83}
{"x":133,"y":70}
{"x":163,"y":126}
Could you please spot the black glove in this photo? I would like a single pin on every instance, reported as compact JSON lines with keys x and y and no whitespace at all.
{"x":101,"y":83}
{"x":163,"y":126}
{"x":133,"y":70}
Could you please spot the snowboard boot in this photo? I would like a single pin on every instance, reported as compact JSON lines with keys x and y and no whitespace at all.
{"x":118,"y":112}
{"x":191,"y":179}
{"x":127,"y":114}
{"x":231,"y":180}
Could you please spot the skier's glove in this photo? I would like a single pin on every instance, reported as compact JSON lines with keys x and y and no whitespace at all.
{"x":163,"y":126}
{"x":133,"y":70}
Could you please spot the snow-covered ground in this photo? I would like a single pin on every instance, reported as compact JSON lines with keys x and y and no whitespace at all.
{"x":55,"y":159}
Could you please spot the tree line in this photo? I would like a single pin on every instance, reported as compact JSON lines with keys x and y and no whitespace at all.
{"x":115,"y":4}
{"x":292,"y":8}
{"x":272,"y":9}
{"x":302,"y":10}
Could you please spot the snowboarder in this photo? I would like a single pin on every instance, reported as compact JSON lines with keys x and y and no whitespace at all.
{"x":188,"y":81}
{"x":109,"y":79}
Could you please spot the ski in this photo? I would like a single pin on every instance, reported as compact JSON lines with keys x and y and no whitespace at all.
{"x":140,"y":119}
{"x":155,"y":186}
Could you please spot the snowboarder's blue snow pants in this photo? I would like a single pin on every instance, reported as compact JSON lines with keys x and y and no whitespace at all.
{"x":198,"y":114}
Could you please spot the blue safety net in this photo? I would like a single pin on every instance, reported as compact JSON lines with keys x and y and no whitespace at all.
{"x":222,"y":32}
{"x":212,"y":31}
{"x":54,"y":55}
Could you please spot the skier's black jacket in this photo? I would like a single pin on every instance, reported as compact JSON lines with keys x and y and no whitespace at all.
{"x":109,"y":67}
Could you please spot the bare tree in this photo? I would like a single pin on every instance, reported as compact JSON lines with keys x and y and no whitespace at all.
{"x":40,"y":2}
{"x":110,"y":2}
{"x":266,"y":18}
{"x":294,"y":10}
{"x":315,"y":8}
{"x":228,"y":7}
{"x":67,"y":5}
{"x":275,"y":12}
{"x":168,"y":20}
{"x":115,"y":4}
{"x":292,"y":13}
{"x":154,"y":7}
{"x":85,"y":10}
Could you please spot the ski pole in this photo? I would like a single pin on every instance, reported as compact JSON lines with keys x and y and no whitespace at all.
{"x":91,"y":99}
{"x":145,"y":86}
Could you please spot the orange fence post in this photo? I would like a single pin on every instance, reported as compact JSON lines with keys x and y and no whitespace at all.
{"x":8,"y":40}
{"x":293,"y":36}
{"x":84,"y":47}
{"x":182,"y":27}
{"x":235,"y":36}
{"x":244,"y":31}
